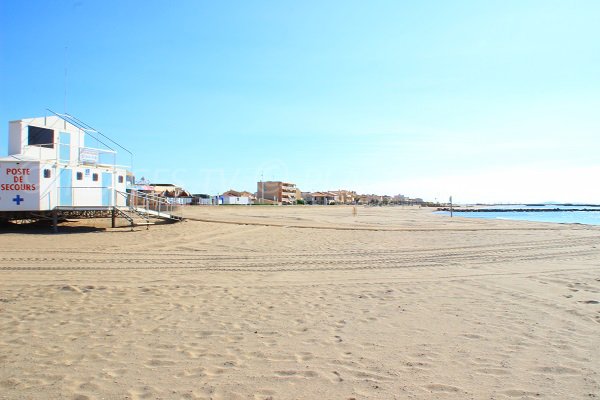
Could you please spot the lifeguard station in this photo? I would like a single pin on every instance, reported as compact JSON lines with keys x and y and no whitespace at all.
{"x":58,"y":167}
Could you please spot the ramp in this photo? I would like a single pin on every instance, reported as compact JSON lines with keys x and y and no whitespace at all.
{"x":147,"y":206}
{"x":157,"y":214}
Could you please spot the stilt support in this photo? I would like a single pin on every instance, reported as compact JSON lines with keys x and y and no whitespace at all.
{"x":55,"y":221}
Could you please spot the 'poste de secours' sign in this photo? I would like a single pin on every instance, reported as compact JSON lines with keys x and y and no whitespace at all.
{"x":18,"y":179}
{"x":19,"y":187}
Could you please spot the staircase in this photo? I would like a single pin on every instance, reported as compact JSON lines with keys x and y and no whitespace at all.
{"x":144,"y":209}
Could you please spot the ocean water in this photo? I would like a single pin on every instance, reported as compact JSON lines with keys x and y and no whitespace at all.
{"x":561,"y":217}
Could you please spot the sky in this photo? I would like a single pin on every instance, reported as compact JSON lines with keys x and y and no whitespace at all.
{"x":485,"y":101}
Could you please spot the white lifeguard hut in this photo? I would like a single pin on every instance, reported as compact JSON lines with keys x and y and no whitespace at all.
{"x":59,"y":167}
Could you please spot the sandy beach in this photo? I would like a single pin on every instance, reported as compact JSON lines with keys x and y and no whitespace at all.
{"x":302,"y":303}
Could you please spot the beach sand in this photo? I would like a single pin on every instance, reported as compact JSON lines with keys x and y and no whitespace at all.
{"x":302,"y":303}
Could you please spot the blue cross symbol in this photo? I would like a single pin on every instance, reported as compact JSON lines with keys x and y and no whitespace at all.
{"x":18,"y":200}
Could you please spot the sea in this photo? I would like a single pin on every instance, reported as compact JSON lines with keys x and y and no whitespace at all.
{"x":561,"y":217}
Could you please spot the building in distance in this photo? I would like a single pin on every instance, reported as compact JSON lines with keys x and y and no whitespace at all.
{"x":234,"y":197}
{"x":276,"y":191}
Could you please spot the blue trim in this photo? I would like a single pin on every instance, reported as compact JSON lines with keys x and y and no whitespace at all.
{"x":66,"y":190}
{"x":106,"y":188}
{"x":64,"y":147}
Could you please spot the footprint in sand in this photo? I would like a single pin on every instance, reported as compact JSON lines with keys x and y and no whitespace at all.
{"x":145,"y":392}
{"x":438,"y":387}
{"x":340,"y":324}
{"x":159,"y":363}
{"x":338,"y":377}
{"x":304,"y":356}
{"x":493,"y":371}
{"x":214,"y":371}
{"x":198,"y":372}
{"x":519,"y":393}
{"x":558,"y":370}
{"x":294,"y":373}
{"x":472,"y":336}
{"x":10,"y":383}
{"x":89,"y":387}
{"x":264,"y":394}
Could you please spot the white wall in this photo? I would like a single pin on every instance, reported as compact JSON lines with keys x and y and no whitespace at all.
{"x":48,"y":193}
{"x":236,"y":200}
{"x":41,"y":194}
{"x":121,"y":187}
{"x":86,"y":192}
{"x":18,"y":138}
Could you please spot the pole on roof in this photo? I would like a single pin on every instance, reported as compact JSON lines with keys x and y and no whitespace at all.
{"x":65,"y":94}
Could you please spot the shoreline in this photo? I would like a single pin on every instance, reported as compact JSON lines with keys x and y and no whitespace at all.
{"x":518,"y":209}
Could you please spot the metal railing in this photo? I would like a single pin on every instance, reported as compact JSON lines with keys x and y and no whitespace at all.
{"x":61,"y":153}
{"x":93,"y":133}
{"x":151,"y":204}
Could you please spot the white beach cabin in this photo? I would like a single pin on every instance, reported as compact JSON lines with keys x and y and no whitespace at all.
{"x":53,"y":163}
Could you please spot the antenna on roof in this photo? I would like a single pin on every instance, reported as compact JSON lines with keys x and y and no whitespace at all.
{"x":65,"y":94}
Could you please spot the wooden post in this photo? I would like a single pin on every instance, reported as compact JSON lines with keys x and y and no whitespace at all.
{"x":114,"y":217}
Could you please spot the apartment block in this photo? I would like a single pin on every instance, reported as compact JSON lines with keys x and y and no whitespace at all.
{"x":277,"y":191}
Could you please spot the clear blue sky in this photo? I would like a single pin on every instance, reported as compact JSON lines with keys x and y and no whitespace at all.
{"x":482,"y":100}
